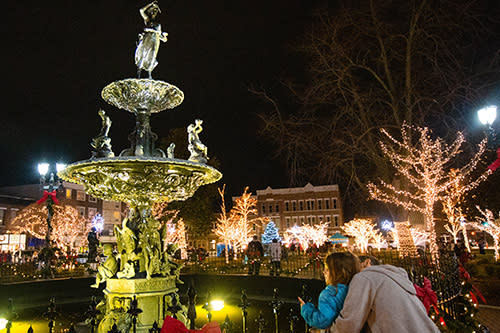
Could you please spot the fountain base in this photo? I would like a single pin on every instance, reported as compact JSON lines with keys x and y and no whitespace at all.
{"x":154,"y":297}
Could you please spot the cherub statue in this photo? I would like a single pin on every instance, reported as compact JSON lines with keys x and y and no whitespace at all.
{"x":102,"y":143}
{"x":197,"y":149}
{"x":125,"y":240}
{"x":149,"y":40}
{"x":116,"y":315}
{"x":108,"y":269}
{"x":170,"y":150}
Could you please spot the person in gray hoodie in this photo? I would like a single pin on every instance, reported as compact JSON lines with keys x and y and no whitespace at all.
{"x":382,"y":299}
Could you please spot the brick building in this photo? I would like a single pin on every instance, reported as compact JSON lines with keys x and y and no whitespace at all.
{"x":301,"y":205}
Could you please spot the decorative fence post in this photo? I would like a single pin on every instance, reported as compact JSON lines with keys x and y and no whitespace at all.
{"x":208,"y":307}
{"x":261,"y":323}
{"x":292,"y":319}
{"x":134,"y":311}
{"x":91,"y":314}
{"x":114,"y":329}
{"x":276,"y":304}
{"x":11,"y":315}
{"x":155,"y":328}
{"x":30,"y":330}
{"x":306,"y":298}
{"x":227,"y":325}
{"x":244,"y":305}
{"x":51,"y":314}
{"x":191,"y":305}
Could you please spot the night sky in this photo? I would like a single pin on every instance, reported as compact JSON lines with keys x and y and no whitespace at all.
{"x":58,"y":55}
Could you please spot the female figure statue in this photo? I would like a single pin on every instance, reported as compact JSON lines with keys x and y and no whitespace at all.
{"x":149,"y":40}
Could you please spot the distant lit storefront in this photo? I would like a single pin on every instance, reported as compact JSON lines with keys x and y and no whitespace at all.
{"x":12,"y":242}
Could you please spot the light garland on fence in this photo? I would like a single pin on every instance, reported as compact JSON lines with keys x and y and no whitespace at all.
{"x":422,"y":162}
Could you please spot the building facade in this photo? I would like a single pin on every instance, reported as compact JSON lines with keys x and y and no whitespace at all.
{"x":310,"y":204}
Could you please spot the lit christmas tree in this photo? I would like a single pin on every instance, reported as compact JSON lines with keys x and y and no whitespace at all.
{"x":422,"y":162}
{"x":270,"y":233}
{"x":67,"y":224}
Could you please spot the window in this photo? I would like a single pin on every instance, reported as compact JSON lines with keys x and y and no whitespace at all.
{"x":309,"y":220}
{"x":302,"y":219}
{"x":313,"y":220}
{"x":287,"y":206}
{"x":320,"y":219}
{"x":254,"y":227}
{"x":328,"y":219}
{"x":319,"y":203}
{"x":336,"y":220}
{"x":68,"y":193}
{"x":2,"y":216}
{"x":294,"y":205}
{"x":270,"y":208}
{"x":308,"y":205}
{"x":301,"y":205}
{"x":327,"y":203}
{"x":81,"y":210}
{"x":294,"y":221}
{"x":263,"y":209}
{"x":277,"y":208}
{"x":117,"y":216}
{"x":334,"y":203}
{"x":287,"y":219}
{"x":80,"y":195}
{"x":312,"y":204}
{"x":92,"y":199}
{"x":92,"y":211}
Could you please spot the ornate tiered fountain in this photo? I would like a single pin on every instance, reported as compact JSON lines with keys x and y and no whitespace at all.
{"x":141,"y":274}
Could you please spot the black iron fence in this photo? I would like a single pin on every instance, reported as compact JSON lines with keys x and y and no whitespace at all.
{"x":443,"y":274}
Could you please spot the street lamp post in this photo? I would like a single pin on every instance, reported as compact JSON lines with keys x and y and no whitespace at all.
{"x":49,"y":185}
{"x":487,"y":116}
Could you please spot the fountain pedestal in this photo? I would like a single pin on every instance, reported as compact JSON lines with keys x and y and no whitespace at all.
{"x":151,"y":298}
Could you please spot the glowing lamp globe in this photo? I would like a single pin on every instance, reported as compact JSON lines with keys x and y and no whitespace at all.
{"x":60,"y":167}
{"x":43,"y":168}
{"x":487,"y":115}
{"x":217,"y":305}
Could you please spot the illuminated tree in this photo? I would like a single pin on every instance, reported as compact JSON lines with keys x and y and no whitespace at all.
{"x":173,"y":226}
{"x":368,"y":68}
{"x":488,"y":224}
{"x":67,"y":224}
{"x":226,"y":225}
{"x":378,"y":240}
{"x":307,"y":234}
{"x":244,"y":213}
{"x":362,"y":230}
{"x":405,"y":241}
{"x":422,"y":162}
{"x":420,"y":237}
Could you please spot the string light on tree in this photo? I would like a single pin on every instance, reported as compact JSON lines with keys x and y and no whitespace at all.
{"x":306,"y":235}
{"x":490,"y":225}
{"x":422,"y":162}
{"x":406,"y":244}
{"x":270,"y":232}
{"x":67,"y":224}
{"x":362,"y":230}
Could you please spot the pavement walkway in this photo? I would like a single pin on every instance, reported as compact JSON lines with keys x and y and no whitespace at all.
{"x":489,"y":316}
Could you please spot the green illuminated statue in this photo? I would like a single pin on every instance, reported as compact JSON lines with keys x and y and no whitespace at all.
{"x":149,"y":40}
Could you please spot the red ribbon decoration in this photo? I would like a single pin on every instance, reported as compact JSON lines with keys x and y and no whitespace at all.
{"x":478,"y":293}
{"x":426,"y":294}
{"x":173,"y":325}
{"x":46,"y":195}
{"x":496,"y":164}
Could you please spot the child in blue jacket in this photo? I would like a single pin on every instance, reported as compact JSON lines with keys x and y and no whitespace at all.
{"x":340,"y":267}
